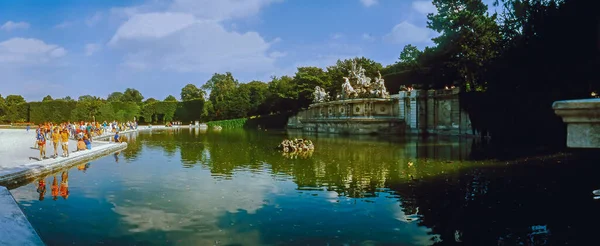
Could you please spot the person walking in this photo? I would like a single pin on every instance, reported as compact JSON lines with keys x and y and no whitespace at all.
{"x":41,"y":140}
{"x":55,"y":141}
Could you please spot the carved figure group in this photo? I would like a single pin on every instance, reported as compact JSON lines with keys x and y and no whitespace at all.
{"x":296,"y":145}
{"x":347,"y":90}
{"x":320,"y":95}
{"x":362,"y":88}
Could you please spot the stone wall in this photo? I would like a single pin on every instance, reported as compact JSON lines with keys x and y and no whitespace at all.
{"x":352,"y":116}
{"x":416,"y":111}
{"x":433,"y":112}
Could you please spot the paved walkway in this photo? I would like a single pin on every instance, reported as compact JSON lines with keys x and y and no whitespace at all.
{"x":17,"y":148}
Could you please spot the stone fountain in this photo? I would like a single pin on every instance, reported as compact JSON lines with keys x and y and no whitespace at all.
{"x":364,"y":106}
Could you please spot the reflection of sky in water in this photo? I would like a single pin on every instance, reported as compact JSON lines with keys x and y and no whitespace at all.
{"x":151,"y":199}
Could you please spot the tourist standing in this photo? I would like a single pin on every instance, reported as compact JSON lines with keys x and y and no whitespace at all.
{"x":117,"y":137}
{"x":65,"y":142}
{"x":55,"y":141}
{"x":41,"y":140}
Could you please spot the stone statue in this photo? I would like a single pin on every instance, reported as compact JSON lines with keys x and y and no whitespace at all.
{"x":347,"y":89}
{"x":319,"y":95}
{"x":379,"y":89}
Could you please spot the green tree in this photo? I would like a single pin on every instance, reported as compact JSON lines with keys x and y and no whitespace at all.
{"x":305,"y":81}
{"x":409,"y":55}
{"x":170,"y":98}
{"x":132,"y":95}
{"x":47,"y":98}
{"x":257,"y":95}
{"x":191,"y":92}
{"x":87,"y":107}
{"x":281,"y":95}
{"x":469,"y":34}
{"x":115,"y":97}
{"x":67,"y":99}
{"x":85,"y":98}
{"x":220,"y":87}
{"x":12,"y":100}
{"x":150,"y":101}
{"x":208,"y":111}
{"x":2,"y":108}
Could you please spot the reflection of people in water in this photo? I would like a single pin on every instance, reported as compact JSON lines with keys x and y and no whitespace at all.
{"x":117,"y":157}
{"x":41,"y":188}
{"x":54,"y":189}
{"x":83,"y":167}
{"x":64,"y":185}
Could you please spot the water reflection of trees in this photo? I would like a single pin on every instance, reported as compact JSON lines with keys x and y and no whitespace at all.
{"x":351,"y":166}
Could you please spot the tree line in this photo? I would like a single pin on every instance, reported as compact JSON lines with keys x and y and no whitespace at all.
{"x":509,"y":65}
{"x":222,"y":97}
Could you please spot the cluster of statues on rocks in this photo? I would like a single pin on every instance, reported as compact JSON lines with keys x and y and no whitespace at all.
{"x":363,"y":87}
{"x":296,"y":145}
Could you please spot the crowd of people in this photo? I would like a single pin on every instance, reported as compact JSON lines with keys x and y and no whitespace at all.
{"x":82,"y":132}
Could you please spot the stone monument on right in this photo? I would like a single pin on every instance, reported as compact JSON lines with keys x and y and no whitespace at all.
{"x":583,"y":121}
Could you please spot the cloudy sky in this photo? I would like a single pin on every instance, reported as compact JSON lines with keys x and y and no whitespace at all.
{"x":95,"y":47}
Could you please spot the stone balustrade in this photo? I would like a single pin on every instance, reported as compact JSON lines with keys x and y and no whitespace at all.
{"x":583,"y":121}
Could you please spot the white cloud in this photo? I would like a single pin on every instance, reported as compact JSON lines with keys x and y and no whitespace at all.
{"x":222,"y":9}
{"x":63,"y":25}
{"x":90,"y":49}
{"x":184,"y":208}
{"x":277,"y":54}
{"x":28,"y":51}
{"x":337,"y":36}
{"x":368,"y":37}
{"x":407,"y":33}
{"x":152,"y":25}
{"x":424,"y":7}
{"x":10,"y":25}
{"x":368,"y":3}
{"x":93,"y":20}
{"x":188,"y":38}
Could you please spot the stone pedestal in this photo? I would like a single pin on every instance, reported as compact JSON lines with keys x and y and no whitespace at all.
{"x":583,"y":121}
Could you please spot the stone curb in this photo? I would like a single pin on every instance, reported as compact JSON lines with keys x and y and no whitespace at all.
{"x":16,"y":229}
{"x":34,"y":169}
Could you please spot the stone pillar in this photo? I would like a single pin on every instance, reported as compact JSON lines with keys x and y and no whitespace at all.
{"x":412,"y":114}
{"x":455,"y":111}
{"x":432,"y":111}
{"x":401,"y":105}
{"x":583,"y":121}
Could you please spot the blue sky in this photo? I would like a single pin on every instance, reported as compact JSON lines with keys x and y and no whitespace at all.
{"x":95,"y":47}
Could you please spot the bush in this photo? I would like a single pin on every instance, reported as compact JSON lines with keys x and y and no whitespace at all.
{"x":229,"y":124}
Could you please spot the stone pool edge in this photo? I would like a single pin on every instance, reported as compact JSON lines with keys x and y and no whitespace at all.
{"x":16,"y":229}
{"x":38,"y":168}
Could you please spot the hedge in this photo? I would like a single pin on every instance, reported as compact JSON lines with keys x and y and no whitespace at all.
{"x":276,"y":121}
{"x":61,"y":111}
{"x":229,"y":124}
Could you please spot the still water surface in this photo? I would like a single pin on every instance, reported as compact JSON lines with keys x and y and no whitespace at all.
{"x":185,"y":187}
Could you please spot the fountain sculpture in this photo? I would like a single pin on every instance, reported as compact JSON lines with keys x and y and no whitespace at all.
{"x":363,"y":106}
{"x":361,"y":88}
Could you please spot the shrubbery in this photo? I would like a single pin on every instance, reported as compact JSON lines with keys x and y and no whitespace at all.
{"x":100,"y":110}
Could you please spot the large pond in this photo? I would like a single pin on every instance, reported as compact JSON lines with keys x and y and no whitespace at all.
{"x":185,"y":187}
